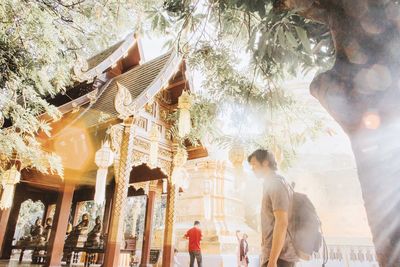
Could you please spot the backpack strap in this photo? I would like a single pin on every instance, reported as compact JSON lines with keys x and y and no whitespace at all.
{"x":290,"y":192}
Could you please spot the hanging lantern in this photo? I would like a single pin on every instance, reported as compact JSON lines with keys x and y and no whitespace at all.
{"x":184,"y":182}
{"x":237,"y":155}
{"x":104,"y":158}
{"x":180,"y":178}
{"x":278,"y":154}
{"x":154,"y":136}
{"x":184,"y":105}
{"x":8,"y":181}
{"x":164,"y":186}
{"x":180,"y":157}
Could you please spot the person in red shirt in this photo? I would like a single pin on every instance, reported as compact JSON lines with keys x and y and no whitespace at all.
{"x":194,"y":235}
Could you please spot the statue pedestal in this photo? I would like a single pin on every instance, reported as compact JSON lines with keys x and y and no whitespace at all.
{"x":77,"y":241}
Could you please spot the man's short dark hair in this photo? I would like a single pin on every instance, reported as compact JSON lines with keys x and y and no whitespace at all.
{"x":262,"y":155}
{"x":196,"y":223}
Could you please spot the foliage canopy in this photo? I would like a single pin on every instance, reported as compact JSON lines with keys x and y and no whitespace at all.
{"x":40,"y":41}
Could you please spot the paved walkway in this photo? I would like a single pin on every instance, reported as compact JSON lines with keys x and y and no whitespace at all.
{"x":6,"y":263}
{"x":15,"y":263}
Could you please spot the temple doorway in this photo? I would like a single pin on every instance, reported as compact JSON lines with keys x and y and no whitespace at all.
{"x":91,"y":209}
{"x":29,"y":212}
{"x":134,"y":223}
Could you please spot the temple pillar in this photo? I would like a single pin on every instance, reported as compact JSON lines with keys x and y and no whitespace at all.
{"x":122,"y":171}
{"x":106,"y":217}
{"x":60,"y":225}
{"x":148,"y":228}
{"x":108,"y":207}
{"x":168,"y":247}
{"x":8,"y":236}
{"x":4,"y":216}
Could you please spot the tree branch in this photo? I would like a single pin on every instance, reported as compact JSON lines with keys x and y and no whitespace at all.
{"x":310,"y":9}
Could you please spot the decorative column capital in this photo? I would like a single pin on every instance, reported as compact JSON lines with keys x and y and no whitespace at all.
{"x":153,"y":186}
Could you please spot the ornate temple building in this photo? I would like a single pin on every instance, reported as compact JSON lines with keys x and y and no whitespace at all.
{"x":115,"y":143}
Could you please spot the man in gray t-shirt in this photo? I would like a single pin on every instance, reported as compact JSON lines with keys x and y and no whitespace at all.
{"x":277,"y":250}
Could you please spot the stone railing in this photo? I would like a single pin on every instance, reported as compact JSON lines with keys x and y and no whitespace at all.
{"x":345,"y":256}
{"x":339,"y":256}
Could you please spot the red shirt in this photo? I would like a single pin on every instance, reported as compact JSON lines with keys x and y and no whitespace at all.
{"x":194,"y":235}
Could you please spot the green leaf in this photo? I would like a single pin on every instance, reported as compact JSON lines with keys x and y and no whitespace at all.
{"x":262,"y":44}
{"x":291,"y":39}
{"x":281,"y":38}
{"x":302,"y":34}
{"x":154,"y":23}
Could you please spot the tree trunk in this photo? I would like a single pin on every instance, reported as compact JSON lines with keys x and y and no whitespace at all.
{"x":362,"y":93}
{"x":373,"y":126}
{"x":377,"y":154}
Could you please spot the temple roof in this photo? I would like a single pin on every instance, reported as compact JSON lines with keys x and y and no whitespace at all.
{"x":120,"y":57}
{"x":138,"y":81}
{"x":100,"y":57}
{"x":111,"y":56}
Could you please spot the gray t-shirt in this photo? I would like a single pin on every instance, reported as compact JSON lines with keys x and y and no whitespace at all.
{"x":276,"y":196}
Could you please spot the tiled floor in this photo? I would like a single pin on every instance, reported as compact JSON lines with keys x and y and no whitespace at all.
{"x":15,"y":263}
{"x":12,"y":263}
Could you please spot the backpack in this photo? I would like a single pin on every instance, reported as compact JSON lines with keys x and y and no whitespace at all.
{"x":306,"y":233}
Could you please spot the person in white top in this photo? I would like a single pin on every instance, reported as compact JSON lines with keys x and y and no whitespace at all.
{"x":176,"y":261}
{"x":242,"y":258}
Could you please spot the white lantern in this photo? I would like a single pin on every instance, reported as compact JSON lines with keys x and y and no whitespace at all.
{"x":8,"y":181}
{"x":180,"y":178}
{"x":184,"y":182}
{"x":154,"y":136}
{"x":164,"y":186}
{"x":278,"y":154}
{"x":184,"y":105}
{"x":180,"y":157}
{"x":104,"y":158}
{"x":237,"y":155}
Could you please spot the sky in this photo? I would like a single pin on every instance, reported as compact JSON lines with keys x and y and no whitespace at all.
{"x":152,"y":47}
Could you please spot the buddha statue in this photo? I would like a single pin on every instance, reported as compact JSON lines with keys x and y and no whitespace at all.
{"x":82,"y":226}
{"x":34,"y":236}
{"x":47,"y":229}
{"x":93,"y":239}
{"x":36,"y":229}
{"x":77,"y":237}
